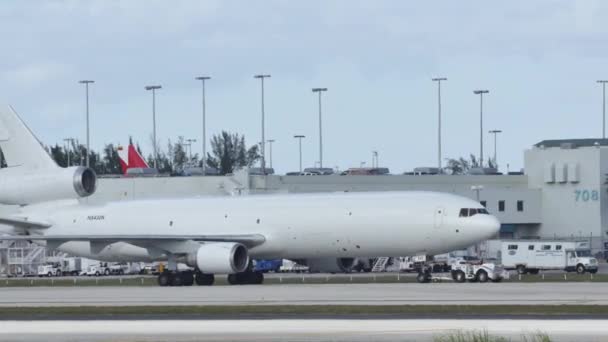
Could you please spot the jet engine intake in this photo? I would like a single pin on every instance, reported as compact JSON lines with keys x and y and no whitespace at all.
{"x":220,"y":257}
{"x":331,"y":265}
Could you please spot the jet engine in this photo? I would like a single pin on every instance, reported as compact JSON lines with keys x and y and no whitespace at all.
{"x":220,"y":257}
{"x":22,"y":187}
{"x":331,"y":265}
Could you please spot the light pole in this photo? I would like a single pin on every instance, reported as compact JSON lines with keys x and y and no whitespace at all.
{"x":86,"y":87}
{"x":495,"y":132}
{"x":480,"y":93}
{"x":438,"y":80}
{"x":204,"y":158}
{"x":69,"y":142}
{"x":375,"y":161}
{"x":300,"y":137}
{"x":190,"y":141}
{"x":154,"y":88}
{"x":603,"y":82}
{"x":319,"y":91}
{"x":270,"y":147}
{"x":263,"y":146}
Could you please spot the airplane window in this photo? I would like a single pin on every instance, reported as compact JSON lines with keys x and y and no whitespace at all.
{"x":483,"y":211}
{"x":530,"y":247}
{"x":512,"y":247}
{"x":472,"y":211}
{"x":464,"y":212}
{"x":546,"y":247}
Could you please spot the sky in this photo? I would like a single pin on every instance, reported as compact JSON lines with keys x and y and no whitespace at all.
{"x":539,"y":59}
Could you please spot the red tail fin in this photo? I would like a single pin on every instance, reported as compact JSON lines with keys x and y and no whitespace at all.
{"x":135,"y":159}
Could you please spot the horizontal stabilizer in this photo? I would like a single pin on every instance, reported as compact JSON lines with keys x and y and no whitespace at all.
{"x":23,"y":223}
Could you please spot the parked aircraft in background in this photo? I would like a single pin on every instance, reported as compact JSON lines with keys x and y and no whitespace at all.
{"x":325,"y":231}
{"x":130,"y":158}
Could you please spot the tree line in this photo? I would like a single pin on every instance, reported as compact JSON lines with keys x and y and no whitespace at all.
{"x":229,"y":152}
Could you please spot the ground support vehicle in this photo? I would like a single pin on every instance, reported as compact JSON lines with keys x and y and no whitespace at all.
{"x":532,"y":256}
{"x":97,"y":270}
{"x":267,"y":265}
{"x":49,"y":270}
{"x":71,"y":266}
{"x":460,"y":271}
{"x":292,"y":266}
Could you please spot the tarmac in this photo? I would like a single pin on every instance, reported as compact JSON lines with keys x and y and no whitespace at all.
{"x":572,"y":293}
{"x":298,"y":330}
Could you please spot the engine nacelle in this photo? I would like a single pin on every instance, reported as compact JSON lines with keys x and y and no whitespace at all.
{"x":331,"y":265}
{"x":19,"y":187}
{"x":220,"y":257}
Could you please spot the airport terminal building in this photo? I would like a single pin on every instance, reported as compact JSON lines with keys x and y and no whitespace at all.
{"x":562,"y":193}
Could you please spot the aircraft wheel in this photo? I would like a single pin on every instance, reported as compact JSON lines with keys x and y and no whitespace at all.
{"x":187,"y":278}
{"x":204,"y":279}
{"x":164,"y":279}
{"x":256,"y":278}
{"x":177,"y":279}
{"x":234,"y":279}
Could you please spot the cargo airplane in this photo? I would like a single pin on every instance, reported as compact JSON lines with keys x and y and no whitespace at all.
{"x":326,"y":231}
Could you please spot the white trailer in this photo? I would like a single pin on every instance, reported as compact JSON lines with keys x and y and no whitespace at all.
{"x":531,"y":256}
{"x":71,"y":266}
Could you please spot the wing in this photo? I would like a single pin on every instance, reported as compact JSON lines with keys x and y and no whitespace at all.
{"x":24,"y":223}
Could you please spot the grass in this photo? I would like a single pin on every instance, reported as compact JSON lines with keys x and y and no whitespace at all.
{"x":301,"y":311}
{"x":484,"y":336}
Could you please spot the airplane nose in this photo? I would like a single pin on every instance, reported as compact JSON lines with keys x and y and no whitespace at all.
{"x":492,"y":226}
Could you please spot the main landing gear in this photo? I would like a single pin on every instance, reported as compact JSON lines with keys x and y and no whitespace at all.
{"x":246,"y":278}
{"x":188,"y":278}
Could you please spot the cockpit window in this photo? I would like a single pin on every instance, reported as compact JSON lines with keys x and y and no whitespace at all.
{"x":466,"y":212}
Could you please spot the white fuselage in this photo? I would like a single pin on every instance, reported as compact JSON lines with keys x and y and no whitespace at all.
{"x":332,"y":225}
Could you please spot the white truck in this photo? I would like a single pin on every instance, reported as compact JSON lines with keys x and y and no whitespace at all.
{"x":97,"y":270}
{"x":49,"y":270}
{"x":71,"y":266}
{"x":531,"y":256}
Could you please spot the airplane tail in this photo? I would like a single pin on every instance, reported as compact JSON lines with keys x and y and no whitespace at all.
{"x":123,"y":158}
{"x":135,"y":159}
{"x":20,"y":146}
{"x":130,"y":159}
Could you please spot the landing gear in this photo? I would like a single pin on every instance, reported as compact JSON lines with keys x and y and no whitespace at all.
{"x":204,"y":279}
{"x":246,"y":278}
{"x":169,"y":278}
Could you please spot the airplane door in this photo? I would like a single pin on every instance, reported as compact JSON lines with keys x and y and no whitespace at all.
{"x":439,"y":212}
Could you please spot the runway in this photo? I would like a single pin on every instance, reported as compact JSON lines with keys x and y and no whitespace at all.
{"x":296,"y":330}
{"x":313,"y":294}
